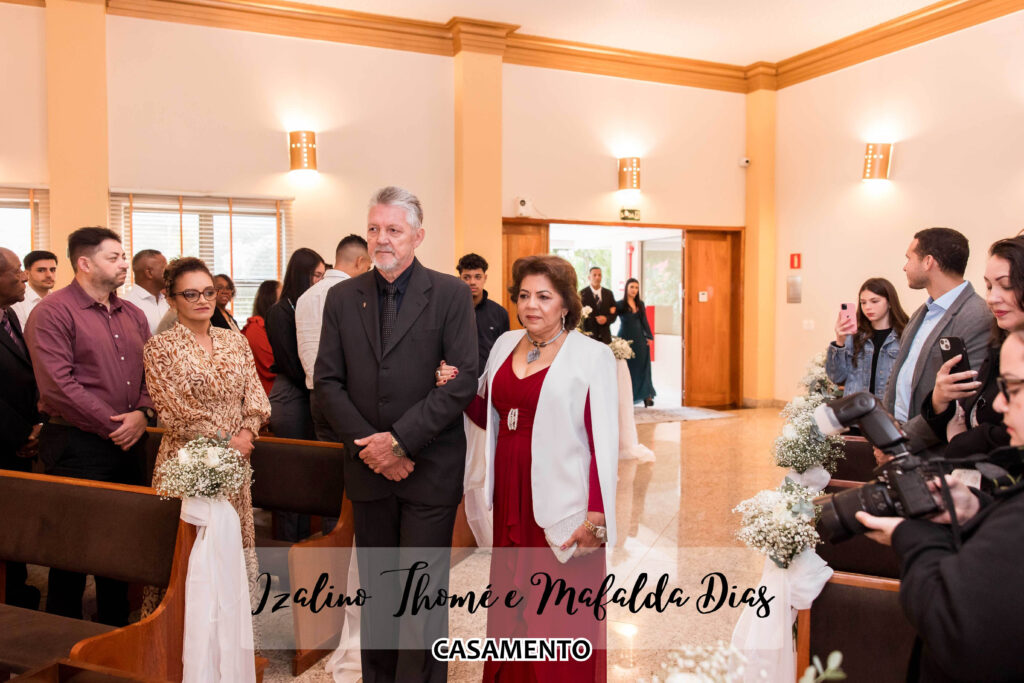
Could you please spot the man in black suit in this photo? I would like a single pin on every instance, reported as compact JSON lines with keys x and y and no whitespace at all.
{"x":384,"y":334}
{"x":19,"y":417}
{"x":602,"y":303}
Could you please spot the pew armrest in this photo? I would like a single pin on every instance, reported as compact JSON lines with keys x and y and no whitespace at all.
{"x":151,"y":647}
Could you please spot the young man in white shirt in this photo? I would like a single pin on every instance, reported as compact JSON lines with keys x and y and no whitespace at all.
{"x":351,"y":258}
{"x":41,"y":267}
{"x":148,"y":267}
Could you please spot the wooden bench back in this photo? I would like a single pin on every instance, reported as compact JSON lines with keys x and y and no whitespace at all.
{"x":861,"y":617}
{"x":122,"y":532}
{"x":859,"y":463}
{"x":289,"y":475}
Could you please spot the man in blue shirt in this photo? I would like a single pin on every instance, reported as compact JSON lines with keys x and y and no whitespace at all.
{"x":936,"y":262}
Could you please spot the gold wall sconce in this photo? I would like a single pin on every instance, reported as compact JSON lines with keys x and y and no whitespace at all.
{"x":877,"y":161}
{"x":302,"y":150}
{"x":629,"y":173}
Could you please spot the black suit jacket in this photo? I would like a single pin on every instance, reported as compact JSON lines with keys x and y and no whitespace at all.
{"x":602,"y":333}
{"x":366,"y":389}
{"x":19,"y":398}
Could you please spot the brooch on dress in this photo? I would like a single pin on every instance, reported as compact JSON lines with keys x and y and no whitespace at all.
{"x":513,"y":419}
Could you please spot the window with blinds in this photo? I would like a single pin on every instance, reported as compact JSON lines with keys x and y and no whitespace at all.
{"x":24,"y":220}
{"x":245,"y":238}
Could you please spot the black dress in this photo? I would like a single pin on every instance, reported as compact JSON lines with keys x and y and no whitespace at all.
{"x":635,"y":328}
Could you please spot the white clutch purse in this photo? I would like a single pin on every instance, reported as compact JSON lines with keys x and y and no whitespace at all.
{"x":559,"y":532}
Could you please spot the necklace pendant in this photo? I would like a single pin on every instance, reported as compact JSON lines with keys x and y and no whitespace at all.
{"x":533,"y":355}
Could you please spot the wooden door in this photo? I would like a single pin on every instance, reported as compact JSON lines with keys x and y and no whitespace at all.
{"x":711,"y":328}
{"x":518,"y":240}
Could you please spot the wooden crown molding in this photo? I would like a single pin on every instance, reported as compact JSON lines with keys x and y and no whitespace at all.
{"x":566,"y":55}
{"x":284,"y":17}
{"x":474,"y":35}
{"x":297,"y":20}
{"x":914,"y":28}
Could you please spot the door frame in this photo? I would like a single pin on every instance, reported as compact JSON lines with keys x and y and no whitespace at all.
{"x":736,"y":386}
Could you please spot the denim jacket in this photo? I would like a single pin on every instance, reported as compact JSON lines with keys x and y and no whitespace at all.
{"x":839,"y":365}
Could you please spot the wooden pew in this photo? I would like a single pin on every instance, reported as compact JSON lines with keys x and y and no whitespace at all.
{"x":859,"y":463}
{"x":124,"y":532}
{"x":860,"y":616}
{"x":293,"y":475}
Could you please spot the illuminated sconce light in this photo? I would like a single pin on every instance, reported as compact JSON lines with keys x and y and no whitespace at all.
{"x":302,"y":150}
{"x":629,"y":188}
{"x":877,"y":161}
{"x":629,"y":173}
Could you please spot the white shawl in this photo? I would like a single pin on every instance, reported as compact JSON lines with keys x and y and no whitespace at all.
{"x":560,"y":468}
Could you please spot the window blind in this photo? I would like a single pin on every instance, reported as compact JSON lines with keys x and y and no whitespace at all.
{"x":245,"y":238}
{"x":25,"y":220}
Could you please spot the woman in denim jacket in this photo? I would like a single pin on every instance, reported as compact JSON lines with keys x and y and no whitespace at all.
{"x":862,"y":356}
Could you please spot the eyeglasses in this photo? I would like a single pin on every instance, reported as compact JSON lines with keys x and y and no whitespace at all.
{"x":223,"y":287}
{"x":192,"y":295}
{"x":1006,"y":383}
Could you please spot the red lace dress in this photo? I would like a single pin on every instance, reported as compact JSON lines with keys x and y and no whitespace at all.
{"x":515,"y":527}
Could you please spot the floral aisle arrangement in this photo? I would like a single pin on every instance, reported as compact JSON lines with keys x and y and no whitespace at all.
{"x":723,"y":663}
{"x":780,"y":522}
{"x":204,"y":467}
{"x":802,"y":445}
{"x":816,"y":382}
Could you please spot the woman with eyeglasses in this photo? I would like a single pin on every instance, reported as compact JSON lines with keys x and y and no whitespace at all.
{"x":203,"y":382}
{"x":975,"y":426}
{"x":222,"y":318}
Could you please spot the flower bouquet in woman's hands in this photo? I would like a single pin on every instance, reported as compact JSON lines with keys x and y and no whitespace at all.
{"x":622,"y":348}
{"x":204,"y":467}
{"x":780,"y":522}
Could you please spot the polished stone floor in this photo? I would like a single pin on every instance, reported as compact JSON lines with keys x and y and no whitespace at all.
{"x":686,"y":530}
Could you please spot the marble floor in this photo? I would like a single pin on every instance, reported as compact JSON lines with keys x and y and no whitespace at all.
{"x":686,"y":530}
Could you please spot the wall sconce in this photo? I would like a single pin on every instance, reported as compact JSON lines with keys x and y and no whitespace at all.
{"x":629,"y":173}
{"x":877,"y":161}
{"x":302,"y":149}
{"x":629,"y":188}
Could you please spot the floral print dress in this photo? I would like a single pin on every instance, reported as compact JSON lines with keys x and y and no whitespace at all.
{"x":199,"y":394}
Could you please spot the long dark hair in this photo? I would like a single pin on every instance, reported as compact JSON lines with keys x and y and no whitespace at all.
{"x":625,"y":294}
{"x":1012,"y":251}
{"x":897,"y":316}
{"x":298,"y":276}
{"x":266,"y":296}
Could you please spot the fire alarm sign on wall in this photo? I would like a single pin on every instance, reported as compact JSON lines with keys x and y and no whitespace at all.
{"x":794,"y":261}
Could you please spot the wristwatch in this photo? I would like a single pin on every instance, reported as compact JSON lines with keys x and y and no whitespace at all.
{"x":148,"y":412}
{"x":600,"y":532}
{"x":396,"y":448}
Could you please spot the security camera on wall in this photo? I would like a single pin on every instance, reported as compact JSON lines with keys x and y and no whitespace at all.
{"x":523,"y":207}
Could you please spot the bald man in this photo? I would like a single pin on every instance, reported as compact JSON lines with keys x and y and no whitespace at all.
{"x":19,"y":419}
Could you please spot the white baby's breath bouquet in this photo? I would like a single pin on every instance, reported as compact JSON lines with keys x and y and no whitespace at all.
{"x":780,"y":522}
{"x":802,"y":445}
{"x":815,"y":380}
{"x":203,"y":467}
{"x":622,"y":348}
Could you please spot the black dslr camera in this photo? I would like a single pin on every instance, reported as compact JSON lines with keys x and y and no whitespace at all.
{"x":901,"y":489}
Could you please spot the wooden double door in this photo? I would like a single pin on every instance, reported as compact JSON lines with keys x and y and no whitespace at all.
{"x":712,"y":305}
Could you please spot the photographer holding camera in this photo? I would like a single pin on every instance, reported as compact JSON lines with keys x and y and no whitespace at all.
{"x":960,"y":588}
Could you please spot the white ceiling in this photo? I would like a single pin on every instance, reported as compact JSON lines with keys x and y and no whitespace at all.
{"x":732,"y":31}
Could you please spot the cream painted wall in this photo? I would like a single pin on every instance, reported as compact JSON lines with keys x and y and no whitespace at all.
{"x":563,"y":131}
{"x":23,"y":113}
{"x":208,"y":110}
{"x":955,"y":109}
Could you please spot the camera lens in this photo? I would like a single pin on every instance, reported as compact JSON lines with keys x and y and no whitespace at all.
{"x":838,"y":521}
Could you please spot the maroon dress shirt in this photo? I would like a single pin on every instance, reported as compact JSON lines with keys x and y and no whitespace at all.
{"x":88,"y":358}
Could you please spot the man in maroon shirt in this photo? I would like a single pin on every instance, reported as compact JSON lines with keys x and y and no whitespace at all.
{"x":86,"y":346}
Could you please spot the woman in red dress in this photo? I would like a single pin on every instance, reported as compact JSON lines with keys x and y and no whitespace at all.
{"x":552,"y":433}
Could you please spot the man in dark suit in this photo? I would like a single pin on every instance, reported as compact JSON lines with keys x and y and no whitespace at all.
{"x":384,"y":334}
{"x":602,"y":303}
{"x":19,"y":417}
